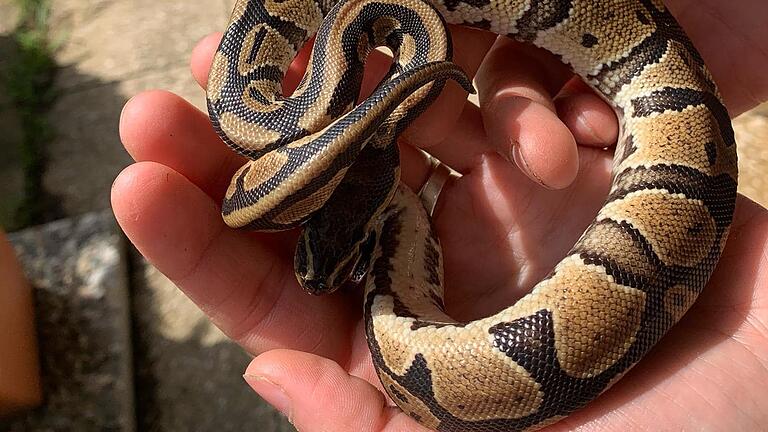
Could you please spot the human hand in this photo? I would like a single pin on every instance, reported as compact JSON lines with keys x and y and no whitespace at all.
{"x":315,"y":364}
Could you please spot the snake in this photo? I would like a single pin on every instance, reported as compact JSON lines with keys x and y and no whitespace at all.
{"x":325,"y":160}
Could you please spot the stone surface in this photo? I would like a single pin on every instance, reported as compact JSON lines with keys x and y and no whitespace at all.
{"x":752,"y":145}
{"x":112,"y":50}
{"x":189,"y":374}
{"x":110,"y":41}
{"x":77,"y":268}
{"x":9,"y":16}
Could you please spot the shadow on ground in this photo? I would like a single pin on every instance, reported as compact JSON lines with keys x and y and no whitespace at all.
{"x":181,"y":374}
{"x":22,"y":201}
{"x":188,"y":366}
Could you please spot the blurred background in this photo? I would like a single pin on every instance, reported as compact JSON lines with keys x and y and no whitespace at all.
{"x":119,"y":348}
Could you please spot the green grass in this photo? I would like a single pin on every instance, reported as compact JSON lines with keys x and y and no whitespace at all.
{"x":29,"y":82}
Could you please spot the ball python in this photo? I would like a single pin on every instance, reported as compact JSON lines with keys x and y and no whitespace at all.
{"x":321,"y":160}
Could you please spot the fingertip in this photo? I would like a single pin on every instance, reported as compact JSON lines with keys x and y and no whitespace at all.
{"x":202,"y":57}
{"x":272,"y":392}
{"x":294,"y":371}
{"x":515,"y":87}
{"x":591,"y":121}
{"x":158,"y":208}
{"x":120,"y":185}
{"x":318,"y":394}
{"x":531,"y":135}
{"x":125,"y":197}
{"x":143,"y":116}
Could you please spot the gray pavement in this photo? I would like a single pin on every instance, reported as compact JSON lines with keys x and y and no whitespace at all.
{"x":186,"y":374}
{"x":111,"y":50}
{"x":78,"y":270}
{"x":190,"y":375}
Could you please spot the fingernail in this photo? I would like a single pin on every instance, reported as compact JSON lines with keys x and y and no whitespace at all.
{"x":517,"y":156}
{"x":593,"y":132}
{"x":511,"y":149}
{"x":270,"y":392}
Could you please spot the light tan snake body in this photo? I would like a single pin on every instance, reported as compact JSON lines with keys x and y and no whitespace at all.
{"x":633,"y":273}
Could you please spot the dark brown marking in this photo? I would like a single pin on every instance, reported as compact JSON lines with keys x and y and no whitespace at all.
{"x":628,"y":149}
{"x":541,"y":15}
{"x":678,"y":99}
{"x":711,"y":149}
{"x":642,"y":18}
{"x":398,"y":394}
{"x":451,"y":5}
{"x":588,"y":40}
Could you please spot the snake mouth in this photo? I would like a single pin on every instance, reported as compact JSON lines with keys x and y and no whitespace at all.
{"x":316,"y":287}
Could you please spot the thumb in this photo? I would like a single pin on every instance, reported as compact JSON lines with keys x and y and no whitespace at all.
{"x":319,"y":395}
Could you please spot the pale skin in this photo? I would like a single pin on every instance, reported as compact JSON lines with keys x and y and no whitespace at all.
{"x":312,"y":362}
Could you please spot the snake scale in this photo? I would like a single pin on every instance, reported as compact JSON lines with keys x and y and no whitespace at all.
{"x":320,"y":159}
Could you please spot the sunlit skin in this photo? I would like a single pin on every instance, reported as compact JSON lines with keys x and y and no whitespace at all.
{"x":535,"y":173}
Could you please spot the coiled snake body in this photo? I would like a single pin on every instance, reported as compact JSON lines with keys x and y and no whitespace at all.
{"x":317,"y":159}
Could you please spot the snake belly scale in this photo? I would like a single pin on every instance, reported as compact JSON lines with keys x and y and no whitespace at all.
{"x":320,"y":159}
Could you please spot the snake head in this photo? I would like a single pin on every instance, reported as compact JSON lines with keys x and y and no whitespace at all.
{"x":318,"y":273}
{"x":324,"y":269}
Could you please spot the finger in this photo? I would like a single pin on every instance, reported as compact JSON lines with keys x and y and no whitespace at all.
{"x":162,"y":127}
{"x":589,"y":118}
{"x":436,"y":123}
{"x":245,"y":283}
{"x":464,"y":147}
{"x":318,"y":395}
{"x":415,"y":166}
{"x":298,"y":66}
{"x":202,"y":57}
{"x":515,"y":88}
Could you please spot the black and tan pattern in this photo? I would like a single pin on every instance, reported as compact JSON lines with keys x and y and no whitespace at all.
{"x":319,"y":160}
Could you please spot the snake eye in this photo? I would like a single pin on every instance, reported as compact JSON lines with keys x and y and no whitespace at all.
{"x":364,"y":259}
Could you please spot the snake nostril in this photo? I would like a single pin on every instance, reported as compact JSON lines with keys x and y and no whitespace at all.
{"x":315,"y":286}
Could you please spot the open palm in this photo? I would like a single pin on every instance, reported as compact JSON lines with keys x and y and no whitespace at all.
{"x":501,"y":232}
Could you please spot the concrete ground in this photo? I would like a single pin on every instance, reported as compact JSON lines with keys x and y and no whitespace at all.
{"x":187,"y":373}
{"x":112,"y":50}
{"x":752,"y":145}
